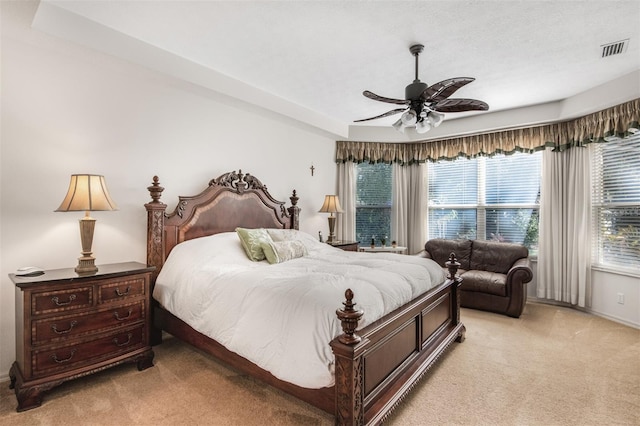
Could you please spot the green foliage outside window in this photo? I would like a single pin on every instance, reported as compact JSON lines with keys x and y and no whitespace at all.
{"x":373,"y":202}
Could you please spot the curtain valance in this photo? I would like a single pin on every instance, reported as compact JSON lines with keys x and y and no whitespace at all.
{"x":596,"y":127}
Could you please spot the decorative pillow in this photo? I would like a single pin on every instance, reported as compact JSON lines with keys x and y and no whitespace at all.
{"x":278,"y":234}
{"x":251,"y":240}
{"x":281,"y":251}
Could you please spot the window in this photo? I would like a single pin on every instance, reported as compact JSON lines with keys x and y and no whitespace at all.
{"x":616,"y":203}
{"x":483,"y":198}
{"x":373,"y":201}
{"x":494,"y":198}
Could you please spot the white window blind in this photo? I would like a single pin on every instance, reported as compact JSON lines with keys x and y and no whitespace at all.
{"x":494,"y":198}
{"x":616,"y":203}
{"x":453,"y":198}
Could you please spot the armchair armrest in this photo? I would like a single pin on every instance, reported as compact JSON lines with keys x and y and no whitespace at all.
{"x":517,"y":278}
{"x":520,"y":271}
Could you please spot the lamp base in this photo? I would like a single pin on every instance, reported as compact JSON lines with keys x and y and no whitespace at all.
{"x":86,"y":265}
{"x":332,"y":227}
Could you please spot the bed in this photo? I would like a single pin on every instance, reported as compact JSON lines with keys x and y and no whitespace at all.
{"x":375,"y":360}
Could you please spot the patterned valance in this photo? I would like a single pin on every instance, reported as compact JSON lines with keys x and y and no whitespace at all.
{"x":597,"y":127}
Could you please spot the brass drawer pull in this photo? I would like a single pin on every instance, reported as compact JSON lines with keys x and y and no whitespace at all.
{"x":60,"y":361}
{"x":71,"y":325}
{"x":129,"y":336}
{"x":115,"y":314}
{"x":119,"y":293}
{"x":57,"y":301}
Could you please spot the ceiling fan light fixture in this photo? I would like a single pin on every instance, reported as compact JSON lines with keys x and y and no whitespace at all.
{"x":409,"y":118}
{"x":435,"y":118}
{"x":399,"y":125}
{"x":423,"y":126}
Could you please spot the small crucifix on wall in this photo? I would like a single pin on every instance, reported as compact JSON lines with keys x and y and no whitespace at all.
{"x":312,"y":169}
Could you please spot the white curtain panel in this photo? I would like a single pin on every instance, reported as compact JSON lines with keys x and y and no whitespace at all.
{"x":564,"y":256}
{"x":409,"y":206}
{"x":346,"y":191}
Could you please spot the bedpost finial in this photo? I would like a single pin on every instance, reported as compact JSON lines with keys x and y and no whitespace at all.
{"x":349,"y":318}
{"x":348,"y":294}
{"x":294,"y":211}
{"x":452,"y":266}
{"x":155,"y":190}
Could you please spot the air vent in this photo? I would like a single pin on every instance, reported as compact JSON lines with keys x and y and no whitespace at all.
{"x":615,"y":48}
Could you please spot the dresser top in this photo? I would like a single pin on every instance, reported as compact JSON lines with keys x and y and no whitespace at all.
{"x":69,"y":274}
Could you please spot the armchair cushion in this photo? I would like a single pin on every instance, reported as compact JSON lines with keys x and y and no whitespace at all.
{"x":484,"y":282}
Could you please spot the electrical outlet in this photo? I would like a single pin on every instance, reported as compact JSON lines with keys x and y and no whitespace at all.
{"x":621,"y":298}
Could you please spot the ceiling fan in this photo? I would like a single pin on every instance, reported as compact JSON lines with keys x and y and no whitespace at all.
{"x":424,"y":105}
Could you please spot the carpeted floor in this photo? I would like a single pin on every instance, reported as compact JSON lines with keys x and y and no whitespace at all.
{"x":552,"y":366}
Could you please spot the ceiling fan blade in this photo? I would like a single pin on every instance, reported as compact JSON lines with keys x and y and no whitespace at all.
{"x":459,"y":105}
{"x":444,"y":88}
{"x":386,"y":114}
{"x":375,"y":97}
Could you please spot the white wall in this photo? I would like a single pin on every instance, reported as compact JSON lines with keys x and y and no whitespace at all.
{"x":606,"y":286}
{"x":67,"y":109}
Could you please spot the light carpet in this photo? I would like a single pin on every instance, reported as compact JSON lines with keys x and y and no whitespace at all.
{"x":552,"y":366}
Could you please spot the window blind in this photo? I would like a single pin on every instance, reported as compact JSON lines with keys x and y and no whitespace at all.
{"x":373,"y":201}
{"x":495,"y":198}
{"x":616,"y":203}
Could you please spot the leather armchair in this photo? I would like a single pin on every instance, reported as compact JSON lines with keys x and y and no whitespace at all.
{"x":494,"y":274}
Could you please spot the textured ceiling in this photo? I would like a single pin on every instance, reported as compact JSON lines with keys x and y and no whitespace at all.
{"x":321,"y":55}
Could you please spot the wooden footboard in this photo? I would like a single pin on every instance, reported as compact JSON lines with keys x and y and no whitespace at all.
{"x":379,"y":365}
{"x":374,"y":372}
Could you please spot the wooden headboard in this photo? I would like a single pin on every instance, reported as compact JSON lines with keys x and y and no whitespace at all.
{"x":232,"y":200}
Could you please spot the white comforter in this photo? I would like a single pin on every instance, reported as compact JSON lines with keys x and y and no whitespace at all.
{"x":282,"y":316}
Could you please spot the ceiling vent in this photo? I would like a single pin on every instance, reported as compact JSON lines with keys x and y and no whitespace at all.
{"x":615,"y":48}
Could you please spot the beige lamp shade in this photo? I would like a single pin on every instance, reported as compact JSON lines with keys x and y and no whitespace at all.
{"x":331,"y":205}
{"x":87,"y":193}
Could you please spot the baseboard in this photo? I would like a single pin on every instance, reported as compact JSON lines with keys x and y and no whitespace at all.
{"x":612,"y":318}
{"x":585,"y":310}
{"x":4,"y":378}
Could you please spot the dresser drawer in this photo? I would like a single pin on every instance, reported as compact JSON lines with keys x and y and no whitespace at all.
{"x":68,"y":326}
{"x":61,"y":300}
{"x":63,"y":358}
{"x":120,"y":290}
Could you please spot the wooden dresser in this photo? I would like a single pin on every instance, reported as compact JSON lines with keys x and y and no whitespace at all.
{"x":68,"y":326}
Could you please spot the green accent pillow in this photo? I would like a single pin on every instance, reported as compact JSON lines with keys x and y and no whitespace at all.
{"x":251,"y":240}
{"x":281,"y":251}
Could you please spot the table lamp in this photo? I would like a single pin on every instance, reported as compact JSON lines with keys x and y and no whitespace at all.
{"x":331,"y":205}
{"x":87,"y":193}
